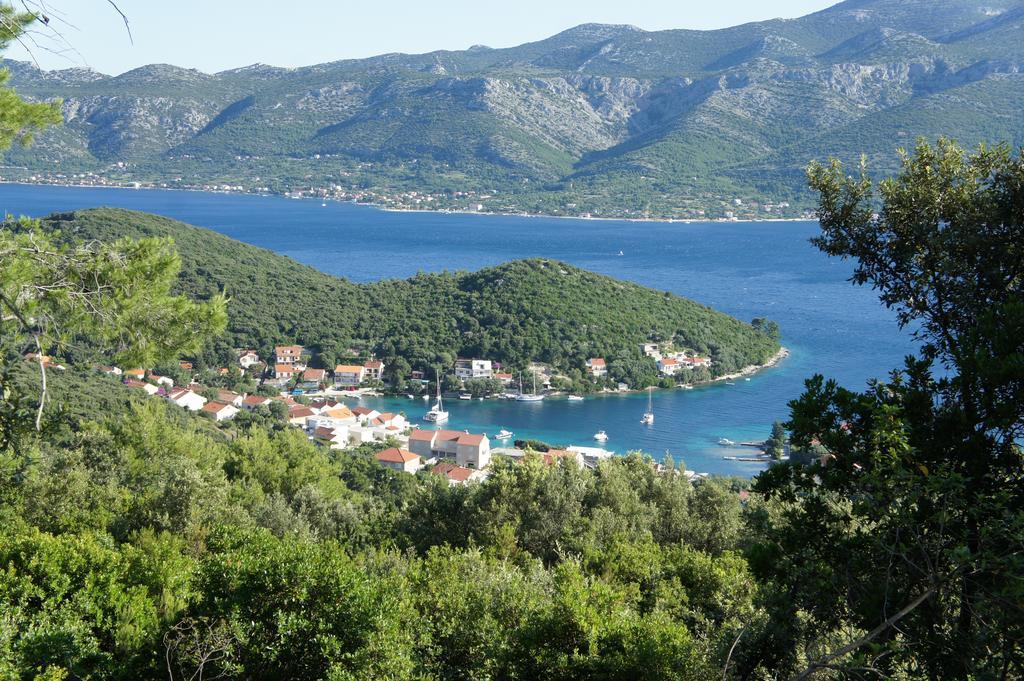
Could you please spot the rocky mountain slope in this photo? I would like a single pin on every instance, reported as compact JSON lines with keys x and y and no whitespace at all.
{"x":605,"y":119}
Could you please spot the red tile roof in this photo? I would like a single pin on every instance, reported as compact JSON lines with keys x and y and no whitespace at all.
{"x":452,"y":472}
{"x":313,"y":375}
{"x":597,"y":361}
{"x":214,"y":407}
{"x":324,"y":433}
{"x":255,"y":400}
{"x":396,"y":455}
{"x":471,"y":439}
{"x":374,"y":364}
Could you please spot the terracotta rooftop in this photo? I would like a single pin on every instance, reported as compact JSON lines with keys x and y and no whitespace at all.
{"x":396,"y":455}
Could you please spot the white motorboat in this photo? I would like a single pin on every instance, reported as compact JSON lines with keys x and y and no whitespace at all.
{"x":465,"y":396}
{"x":601,"y":436}
{"x":504,"y":434}
{"x":575,"y":398}
{"x":437,"y":414}
{"x":725,"y":441}
{"x":648,"y":418}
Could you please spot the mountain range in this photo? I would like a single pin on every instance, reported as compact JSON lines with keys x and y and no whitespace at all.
{"x":608,"y":120}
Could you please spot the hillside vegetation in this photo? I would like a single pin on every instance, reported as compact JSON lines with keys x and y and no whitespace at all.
{"x":612,"y":120}
{"x":521,"y":311}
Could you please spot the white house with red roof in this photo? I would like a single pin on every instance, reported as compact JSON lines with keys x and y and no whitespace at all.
{"x":669,"y":366}
{"x":348,"y":375}
{"x":165,"y":381}
{"x":248,"y":358}
{"x":183,"y":397}
{"x":288,"y":354}
{"x":401,"y":460}
{"x":334,"y":437}
{"x":313,"y":379}
{"x":468,"y":450}
{"x":149,"y":388}
{"x":597,"y":367}
{"x":252,"y":402}
{"x":297,"y":414}
{"x":285,"y":372}
{"x":457,"y":475}
{"x":221,"y":411}
{"x":373,"y":370}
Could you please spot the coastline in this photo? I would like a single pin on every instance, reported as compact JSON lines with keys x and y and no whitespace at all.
{"x":752,"y":369}
{"x":390,"y":209}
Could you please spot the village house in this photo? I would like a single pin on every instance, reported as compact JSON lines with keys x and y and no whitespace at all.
{"x":505,"y":378}
{"x":252,"y":402}
{"x":248,"y":358}
{"x":365,"y":414}
{"x":137,"y":374}
{"x":288,"y":354}
{"x":312,"y":379}
{"x":339,"y":414}
{"x":373,"y":370}
{"x":183,"y":397}
{"x":284,"y":372}
{"x":335,"y":438}
{"x":468,"y":450}
{"x":597,"y":367}
{"x":650,"y":350}
{"x":399,"y":460}
{"x":220,"y":411}
{"x":698,"y":361}
{"x":456,"y":475}
{"x":165,"y":381}
{"x":109,"y":371}
{"x":466,"y":369}
{"x":297,"y":414}
{"x":229,"y":397}
{"x":669,"y":366}
{"x":348,"y":376}
{"x":149,"y":388}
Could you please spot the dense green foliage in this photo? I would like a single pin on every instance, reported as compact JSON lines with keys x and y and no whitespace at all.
{"x":145,"y":542}
{"x":610,"y":120}
{"x":533,"y":310}
{"x":920,"y":486}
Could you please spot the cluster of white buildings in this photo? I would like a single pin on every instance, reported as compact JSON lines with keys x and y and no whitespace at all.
{"x":672,"y":362}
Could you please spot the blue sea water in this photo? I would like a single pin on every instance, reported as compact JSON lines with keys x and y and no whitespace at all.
{"x":745,"y":269}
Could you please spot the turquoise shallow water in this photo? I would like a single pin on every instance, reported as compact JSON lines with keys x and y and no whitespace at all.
{"x":745,"y":269}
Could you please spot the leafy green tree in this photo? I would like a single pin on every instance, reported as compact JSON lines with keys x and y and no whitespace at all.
{"x":19,"y":119}
{"x":900,"y":554}
{"x":117,"y":295}
{"x":775,"y":445}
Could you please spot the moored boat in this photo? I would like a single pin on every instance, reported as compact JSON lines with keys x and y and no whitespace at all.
{"x":437,"y":414}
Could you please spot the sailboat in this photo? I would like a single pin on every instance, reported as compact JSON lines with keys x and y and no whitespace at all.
{"x":533,"y":397}
{"x":437,"y":414}
{"x":648,"y":417}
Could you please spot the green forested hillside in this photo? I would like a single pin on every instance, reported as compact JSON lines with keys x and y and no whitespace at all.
{"x":522,"y":311}
{"x":611,"y":120}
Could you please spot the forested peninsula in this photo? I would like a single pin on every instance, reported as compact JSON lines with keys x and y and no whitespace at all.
{"x":516,"y":313}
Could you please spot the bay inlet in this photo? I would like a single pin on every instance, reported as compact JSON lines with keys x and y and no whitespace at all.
{"x":745,"y":269}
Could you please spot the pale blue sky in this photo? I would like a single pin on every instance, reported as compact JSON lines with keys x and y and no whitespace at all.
{"x":213,"y":35}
